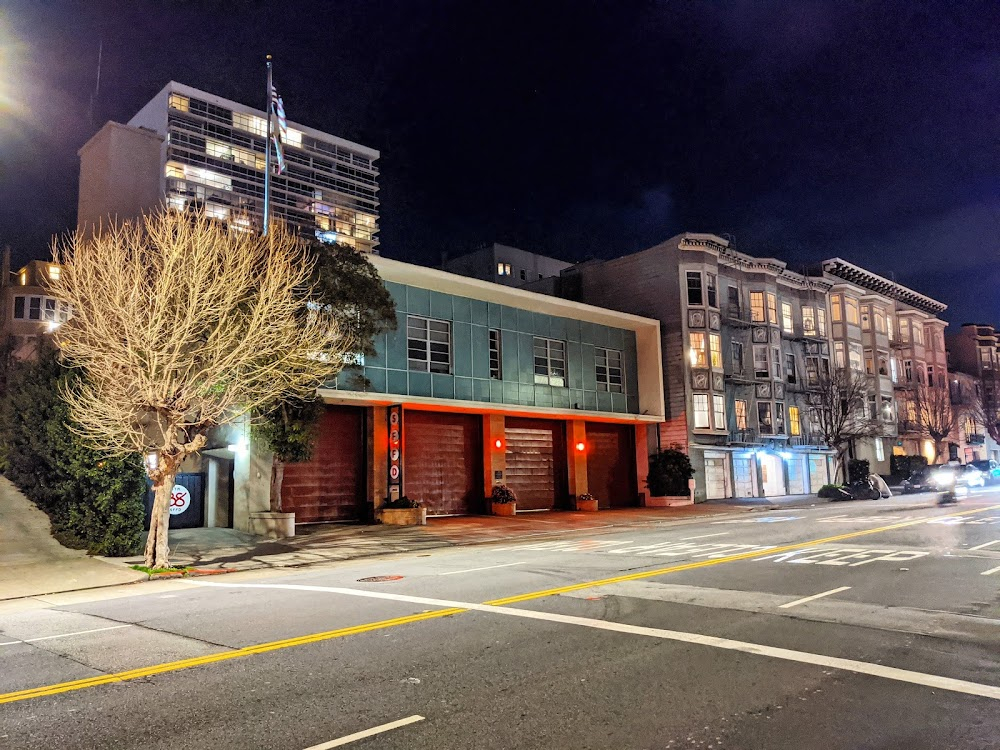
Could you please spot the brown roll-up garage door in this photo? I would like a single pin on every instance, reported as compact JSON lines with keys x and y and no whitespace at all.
{"x":536,"y":462}
{"x":331,"y":486}
{"x":443,"y":461}
{"x":611,"y":464}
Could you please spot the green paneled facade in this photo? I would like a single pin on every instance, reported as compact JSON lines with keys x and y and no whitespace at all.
{"x":470,"y":379}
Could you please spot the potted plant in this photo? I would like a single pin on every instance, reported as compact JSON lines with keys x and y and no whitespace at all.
{"x":503,"y":501}
{"x":586,"y":502}
{"x":669,"y":477}
{"x":402,"y":512}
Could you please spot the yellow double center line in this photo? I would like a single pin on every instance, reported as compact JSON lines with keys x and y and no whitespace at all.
{"x":263,"y":648}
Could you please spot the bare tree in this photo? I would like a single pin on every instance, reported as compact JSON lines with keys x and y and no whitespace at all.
{"x":182,"y":324}
{"x":985,"y":406}
{"x":931,"y":414}
{"x":840,"y":411}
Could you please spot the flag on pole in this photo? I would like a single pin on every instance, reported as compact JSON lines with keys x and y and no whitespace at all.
{"x":281,"y":132}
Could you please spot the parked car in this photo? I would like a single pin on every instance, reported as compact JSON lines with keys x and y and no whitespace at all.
{"x":990,"y":468}
{"x":918,"y":481}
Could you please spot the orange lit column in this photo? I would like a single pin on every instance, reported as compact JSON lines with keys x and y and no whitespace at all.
{"x":378,"y":456}
{"x":576,"y":459}
{"x":642,"y":460}
{"x":494,"y":452}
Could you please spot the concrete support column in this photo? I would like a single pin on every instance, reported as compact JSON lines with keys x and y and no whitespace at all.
{"x":576,"y":460}
{"x":494,"y":457}
{"x":211,"y":490}
{"x":642,"y":460}
{"x":252,"y":491}
{"x":377,"y":434}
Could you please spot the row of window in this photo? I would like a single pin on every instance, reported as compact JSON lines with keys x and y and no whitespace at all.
{"x":428,"y":349}
{"x":504,"y":269}
{"x":40,"y":308}
{"x":710,"y":413}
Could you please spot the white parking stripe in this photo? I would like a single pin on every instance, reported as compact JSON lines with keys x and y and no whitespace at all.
{"x":473,"y":570}
{"x":368,"y":733}
{"x":703,"y":536}
{"x":63,"y":635}
{"x":802,"y":657}
{"x":813,"y":597}
{"x":990,"y":572}
{"x":984,"y":546}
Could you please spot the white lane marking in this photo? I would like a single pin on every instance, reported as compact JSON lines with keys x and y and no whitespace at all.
{"x":367,"y":733}
{"x":704,"y":536}
{"x":473,"y":570}
{"x":984,"y":546}
{"x":990,"y":572}
{"x":803,"y":657}
{"x":814,"y":596}
{"x":64,"y":635}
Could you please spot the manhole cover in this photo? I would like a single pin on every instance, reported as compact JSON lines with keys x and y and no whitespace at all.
{"x":379,"y":579}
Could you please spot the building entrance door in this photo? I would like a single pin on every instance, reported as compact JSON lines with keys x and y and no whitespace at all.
{"x":771,"y":474}
{"x":716,"y":486}
{"x":744,"y":484}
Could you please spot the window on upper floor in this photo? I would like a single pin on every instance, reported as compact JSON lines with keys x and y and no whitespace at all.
{"x":694,"y":292}
{"x":890,"y":325}
{"x":866,"y":317}
{"x":918,"y":334}
{"x":550,"y":361}
{"x":735,"y":308}
{"x":524,"y":275}
{"x":503,"y":269}
{"x":715,"y":349}
{"x":772,"y":309}
{"x":764,"y":423}
{"x":812,"y":371}
{"x":702,"y":420}
{"x":736,"y":350}
{"x":719,"y":411}
{"x":894,"y":369}
{"x":710,"y":286}
{"x":740,"y":409}
{"x":821,"y":321}
{"x":776,"y":363}
{"x":790,"y":375}
{"x":908,"y":370}
{"x":883,"y":363}
{"x":496,"y":365}
{"x":428,"y":344}
{"x":879,"y":450}
{"x":851,"y":310}
{"x":757,"y":307}
{"x":837,"y":308}
{"x":179,"y":102}
{"x":904,"y":331}
{"x":761,"y":369}
{"x":869,"y":362}
{"x":19,"y":308}
{"x":51,"y":305}
{"x":794,"y":421}
{"x":879,"y":314}
{"x":787,"y":324}
{"x":855,"y":357}
{"x":54,"y":273}
{"x":779,"y":419}
{"x":610,"y":373}
{"x":697,"y":352}
{"x":34,"y":308}
{"x":808,"y":321}
{"x":839,"y":359}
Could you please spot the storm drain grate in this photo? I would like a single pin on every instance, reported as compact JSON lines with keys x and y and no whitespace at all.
{"x":379,"y":579}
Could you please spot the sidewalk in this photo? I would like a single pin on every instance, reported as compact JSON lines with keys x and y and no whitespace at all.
{"x":228,"y":549}
{"x":32,"y":563}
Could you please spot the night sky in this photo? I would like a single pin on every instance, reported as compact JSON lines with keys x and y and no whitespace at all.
{"x":802,"y":130}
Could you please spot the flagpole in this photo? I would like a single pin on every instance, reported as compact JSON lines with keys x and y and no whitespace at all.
{"x":267,"y":150}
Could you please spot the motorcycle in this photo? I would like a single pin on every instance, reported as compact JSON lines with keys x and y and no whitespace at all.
{"x":860,"y":489}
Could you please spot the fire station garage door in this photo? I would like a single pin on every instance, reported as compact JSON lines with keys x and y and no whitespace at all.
{"x":331,"y":486}
{"x":536,"y":462}
{"x":442,"y":461}
{"x":611,"y":464}
{"x":716,"y":471}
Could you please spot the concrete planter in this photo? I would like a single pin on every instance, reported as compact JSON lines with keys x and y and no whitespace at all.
{"x":402,"y":516}
{"x":589,"y":506}
{"x":272,"y":525}
{"x":503,"y":509}
{"x":668,"y":501}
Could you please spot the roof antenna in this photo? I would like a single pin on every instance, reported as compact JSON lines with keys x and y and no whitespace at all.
{"x":97,"y":87}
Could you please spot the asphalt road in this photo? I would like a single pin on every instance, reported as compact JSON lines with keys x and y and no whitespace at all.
{"x":846,"y":625}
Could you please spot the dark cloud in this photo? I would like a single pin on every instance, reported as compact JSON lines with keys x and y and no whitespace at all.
{"x":803,"y":129}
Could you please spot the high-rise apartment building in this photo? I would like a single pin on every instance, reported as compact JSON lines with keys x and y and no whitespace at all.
{"x":191,"y":149}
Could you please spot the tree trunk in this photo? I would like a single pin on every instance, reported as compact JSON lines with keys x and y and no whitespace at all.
{"x":157,"y":551}
{"x":277,"y":477}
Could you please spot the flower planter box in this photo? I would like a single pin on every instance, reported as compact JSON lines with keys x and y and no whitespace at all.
{"x":503,"y":509}
{"x":272,"y":525}
{"x":668,"y":501}
{"x":402,"y":516}
{"x":589,"y":506}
